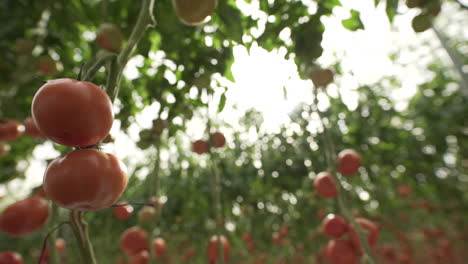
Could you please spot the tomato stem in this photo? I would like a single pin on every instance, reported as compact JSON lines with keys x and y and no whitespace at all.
{"x":330,"y":153}
{"x":216,"y":192}
{"x":97,"y":65}
{"x":46,"y":239}
{"x":145,"y":19}
{"x":80,"y":229}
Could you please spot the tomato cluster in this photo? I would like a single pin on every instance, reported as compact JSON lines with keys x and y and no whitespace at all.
{"x":216,"y":140}
{"x":134,"y":243}
{"x":341,"y":250}
{"x":77,"y":114}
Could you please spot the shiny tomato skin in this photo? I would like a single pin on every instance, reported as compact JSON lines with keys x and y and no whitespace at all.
{"x":134,"y":240}
{"x":213,"y":250}
{"x":349,"y":162}
{"x":10,"y":257}
{"x":10,"y":130}
{"x":31,"y":128}
{"x":72,"y":113}
{"x":340,"y":252}
{"x":159,"y":245}
{"x":325,"y":185}
{"x":334,"y":226}
{"x":24,"y":217}
{"x":141,"y":257}
{"x":123,"y":212}
{"x":85,"y":180}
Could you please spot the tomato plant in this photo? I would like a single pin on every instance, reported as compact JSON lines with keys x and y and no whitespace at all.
{"x":85,"y":180}
{"x":72,"y":113}
{"x":24,"y":217}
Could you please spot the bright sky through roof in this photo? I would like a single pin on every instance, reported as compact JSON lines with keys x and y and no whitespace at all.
{"x":260,"y":78}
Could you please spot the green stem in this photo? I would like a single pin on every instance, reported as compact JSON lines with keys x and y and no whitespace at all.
{"x":99,"y":63}
{"x":331,"y":165}
{"x":145,"y":19}
{"x":216,"y":192}
{"x":54,"y":257}
{"x":457,"y":63}
{"x":80,"y":229}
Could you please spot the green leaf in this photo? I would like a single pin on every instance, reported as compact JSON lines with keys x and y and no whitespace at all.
{"x":391,"y":9}
{"x":222,"y":103}
{"x":232,"y":19}
{"x":354,"y":22}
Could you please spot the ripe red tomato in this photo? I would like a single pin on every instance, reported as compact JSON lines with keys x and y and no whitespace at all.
{"x":349,"y":162}
{"x":85,"y":180}
{"x":10,"y":130}
{"x":341,"y":252}
{"x":141,"y":257}
{"x":31,"y":128}
{"x":46,"y":65}
{"x":159,"y":245}
{"x":194,"y":12}
{"x":123,"y":212}
{"x":72,"y":113}
{"x":134,"y":240}
{"x":276,"y":238}
{"x":218,"y":140}
{"x":109,"y":37}
{"x":10,"y":257}
{"x":24,"y":217}
{"x":334,"y":226}
{"x":213,"y":251}
{"x":372,"y":228}
{"x":200,"y":146}
{"x":325,"y":185}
